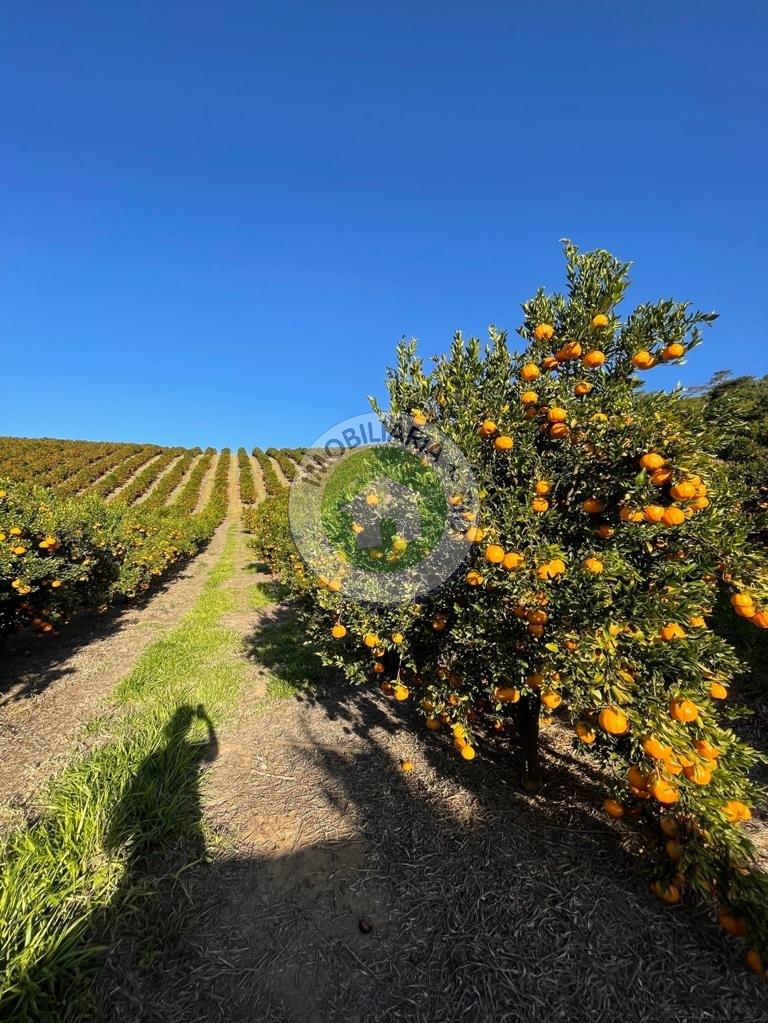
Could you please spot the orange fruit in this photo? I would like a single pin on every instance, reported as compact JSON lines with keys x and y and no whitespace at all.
{"x":551,"y":699}
{"x":542,"y":487}
{"x":754,"y":961}
{"x":468,"y":752}
{"x":338,"y":631}
{"x":529,"y":397}
{"x":433,"y":724}
{"x":401,"y":692}
{"x":599,"y":417}
{"x":474,"y":578}
{"x":741,"y":600}
{"x":406,"y":765}
{"x":398,"y":638}
{"x":494,"y":554}
{"x":663,"y":791}
{"x":671,"y":632}
{"x":506,"y":694}
{"x":559,"y":431}
{"x":503,"y":443}
{"x":593,"y":506}
{"x":673,"y":516}
{"x":760,"y":619}
{"x":585,"y":733}
{"x":539,"y":504}
{"x":594,"y":565}
{"x":530,"y":371}
{"x":582,"y":388}
{"x":474,"y":534}
{"x":699,"y":774}
{"x":661,"y":476}
{"x":593,"y":359}
{"x":631,"y":515}
{"x":673,"y":351}
{"x":599,"y":320}
{"x":512,"y":560}
{"x":697,"y":622}
{"x":439,"y":622}
{"x":706,"y":749}
{"x":717,"y":691}
{"x":668,"y":826}
{"x":735,"y":810}
{"x":653,"y":512}
{"x":684,"y":710}
{"x":613,"y":720}
{"x":731,"y":923}
{"x":673,"y":849}
{"x":372,"y":500}
{"x":643,"y":360}
{"x":487,"y":428}
{"x":557,"y":415}
{"x":636,"y":777}
{"x":605,"y":532}
{"x":655,"y":749}
{"x":570,"y":350}
{"x":543,"y":332}
{"x":535,"y":681}
{"x":370,"y":639}
{"x":683,"y":491}
{"x":613,"y":808}
{"x":669,"y":893}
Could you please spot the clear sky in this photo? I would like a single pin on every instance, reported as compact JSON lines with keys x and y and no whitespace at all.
{"x":217,"y":218}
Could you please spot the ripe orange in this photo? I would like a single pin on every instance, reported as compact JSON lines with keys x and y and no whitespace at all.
{"x":605,"y":532}
{"x":474,"y":578}
{"x":439,"y":622}
{"x":661,"y":476}
{"x":372,"y":500}
{"x":741,"y":600}
{"x":594,"y":359}
{"x":735,"y":810}
{"x":717,"y":691}
{"x":406,"y":765}
{"x":570,"y":350}
{"x":671,"y":632}
{"x":398,"y":638}
{"x":655,"y":749}
{"x":613,"y":720}
{"x":674,"y":850}
{"x":487,"y":428}
{"x":683,"y":491}
{"x":683,"y":710}
{"x":542,"y":487}
{"x":636,"y":777}
{"x":673,"y":351}
{"x":536,"y":630}
{"x":594,"y":565}
{"x":697,"y":622}
{"x":599,"y":320}
{"x":760,"y":619}
{"x":474,"y":534}
{"x":663,"y":791}
{"x":706,"y":749}
{"x":730,"y":923}
{"x":468,"y":752}
{"x":530,"y":371}
{"x":613,"y":808}
{"x":503,"y":443}
{"x":370,"y":639}
{"x":549,"y":362}
{"x":401,"y":692}
{"x":651,"y":461}
{"x":699,"y":774}
{"x":673,"y":516}
{"x":643,"y":360}
{"x":512,"y":560}
{"x":557,"y":415}
{"x":558,"y":431}
{"x":535,"y":680}
{"x":529,"y":397}
{"x":551,"y":699}
{"x":539,"y":504}
{"x":338,"y":631}
{"x":627,"y":514}
{"x":543,"y":332}
{"x":494,"y":554}
{"x":506,"y":694}
{"x":592,"y":506}
{"x":669,"y":893}
{"x":432,"y":724}
{"x":585,"y":733}
{"x":653,"y":512}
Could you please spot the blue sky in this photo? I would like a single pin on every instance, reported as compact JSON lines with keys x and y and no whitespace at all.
{"x":216,"y":219}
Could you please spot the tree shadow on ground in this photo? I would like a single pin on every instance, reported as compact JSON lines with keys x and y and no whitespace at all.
{"x":476,"y":900}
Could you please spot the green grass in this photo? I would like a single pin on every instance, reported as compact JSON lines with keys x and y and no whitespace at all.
{"x":293,"y":668}
{"x":110,"y":817}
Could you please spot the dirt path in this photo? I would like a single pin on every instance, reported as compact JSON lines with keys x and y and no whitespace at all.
{"x":279,"y":472}
{"x":207,"y":484}
{"x":182,"y":482}
{"x":140,"y":468}
{"x":46,"y":696}
{"x":258,"y":479}
{"x":169,"y":468}
{"x":341,"y":888}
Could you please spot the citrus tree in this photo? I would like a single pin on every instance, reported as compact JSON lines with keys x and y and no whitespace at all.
{"x":603,"y":529}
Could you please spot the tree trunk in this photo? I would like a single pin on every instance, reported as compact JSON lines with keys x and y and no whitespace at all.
{"x":527,"y":721}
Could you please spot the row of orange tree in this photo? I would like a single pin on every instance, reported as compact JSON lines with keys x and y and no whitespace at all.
{"x":60,"y":556}
{"x":605,"y":527}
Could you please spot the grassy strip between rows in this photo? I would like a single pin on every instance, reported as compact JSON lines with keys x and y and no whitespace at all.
{"x":64,"y":878}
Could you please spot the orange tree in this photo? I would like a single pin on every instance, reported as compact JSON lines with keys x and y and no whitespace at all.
{"x":603,"y":530}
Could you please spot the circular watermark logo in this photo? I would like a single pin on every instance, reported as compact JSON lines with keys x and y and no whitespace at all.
{"x":382,"y":511}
